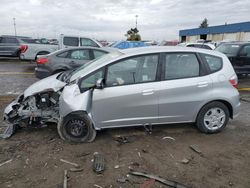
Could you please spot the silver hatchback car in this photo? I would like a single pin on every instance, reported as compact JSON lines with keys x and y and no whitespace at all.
{"x":134,"y":87}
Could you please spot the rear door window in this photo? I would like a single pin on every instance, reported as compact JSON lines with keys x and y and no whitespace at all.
{"x":98,"y":53}
{"x":79,"y":54}
{"x":71,"y":41}
{"x":63,"y":54}
{"x":88,"y":42}
{"x":181,"y":65}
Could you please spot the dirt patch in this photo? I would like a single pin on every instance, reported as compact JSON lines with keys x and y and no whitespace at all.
{"x":36,"y":153}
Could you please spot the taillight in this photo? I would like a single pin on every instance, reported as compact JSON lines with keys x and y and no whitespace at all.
{"x":42,"y":61}
{"x":234,"y":81}
{"x":23,"y":48}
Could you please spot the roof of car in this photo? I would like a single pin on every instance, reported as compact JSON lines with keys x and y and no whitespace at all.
{"x":237,"y":43}
{"x":120,"y":54}
{"x":157,"y":49}
{"x":107,"y":49}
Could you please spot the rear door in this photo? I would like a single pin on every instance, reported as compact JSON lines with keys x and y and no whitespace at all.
{"x":183,"y":88}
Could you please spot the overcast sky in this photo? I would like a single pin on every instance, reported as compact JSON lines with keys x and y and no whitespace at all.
{"x":110,"y":19}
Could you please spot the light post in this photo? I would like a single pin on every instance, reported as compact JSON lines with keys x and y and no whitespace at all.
{"x":14,"y":20}
{"x":136,"y":16}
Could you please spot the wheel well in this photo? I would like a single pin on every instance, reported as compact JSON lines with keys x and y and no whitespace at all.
{"x":228,"y":105}
{"x":58,"y":70}
{"x":41,"y":53}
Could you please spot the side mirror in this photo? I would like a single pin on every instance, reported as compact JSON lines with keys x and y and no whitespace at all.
{"x":99,"y":83}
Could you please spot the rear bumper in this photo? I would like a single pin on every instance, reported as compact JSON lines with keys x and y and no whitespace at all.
{"x":42,"y":72}
{"x":236,"y":111}
{"x":235,"y":102}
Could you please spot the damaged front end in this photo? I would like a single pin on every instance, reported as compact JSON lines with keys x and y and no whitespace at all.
{"x":33,"y":110}
{"x":37,"y":106}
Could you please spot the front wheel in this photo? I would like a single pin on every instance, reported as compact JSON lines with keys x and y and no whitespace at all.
{"x":213,"y":117}
{"x":77,"y":128}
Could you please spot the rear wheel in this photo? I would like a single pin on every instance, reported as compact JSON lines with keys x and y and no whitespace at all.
{"x":77,"y":128}
{"x":213,"y":117}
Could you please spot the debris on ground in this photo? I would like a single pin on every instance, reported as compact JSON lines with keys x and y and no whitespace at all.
{"x":122,"y":180}
{"x":139,"y":154}
{"x":159,"y":179}
{"x":168,"y":137}
{"x":95,"y":185}
{"x":7,"y":130}
{"x":185,"y":161}
{"x":82,"y":154}
{"x":98,"y":163}
{"x":144,"y":151}
{"x":148,"y":183}
{"x":6,"y":162}
{"x":76,"y":169}
{"x":117,"y":166}
{"x":65,"y":179}
{"x":195,"y":148}
{"x":68,"y":162}
{"x":122,"y":139}
{"x":148,"y":129}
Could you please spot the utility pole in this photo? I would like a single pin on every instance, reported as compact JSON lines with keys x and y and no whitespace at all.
{"x":14,"y":20}
{"x":136,"y":16}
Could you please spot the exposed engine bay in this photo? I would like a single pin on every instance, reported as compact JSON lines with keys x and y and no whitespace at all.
{"x":35,"y":110}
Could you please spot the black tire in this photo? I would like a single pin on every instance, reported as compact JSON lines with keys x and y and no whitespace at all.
{"x":77,"y":128}
{"x":202,"y":124}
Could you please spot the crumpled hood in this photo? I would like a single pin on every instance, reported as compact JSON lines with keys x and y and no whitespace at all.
{"x":47,"y":84}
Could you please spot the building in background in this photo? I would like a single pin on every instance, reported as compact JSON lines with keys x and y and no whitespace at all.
{"x":227,"y":32}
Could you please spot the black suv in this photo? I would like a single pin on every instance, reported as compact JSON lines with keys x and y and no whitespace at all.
{"x":10,"y":45}
{"x":239,"y":55}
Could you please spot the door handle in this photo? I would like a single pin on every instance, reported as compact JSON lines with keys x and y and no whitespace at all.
{"x":203,"y":84}
{"x":148,"y":92}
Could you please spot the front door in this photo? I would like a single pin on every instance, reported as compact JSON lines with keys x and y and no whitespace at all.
{"x":130,"y":95}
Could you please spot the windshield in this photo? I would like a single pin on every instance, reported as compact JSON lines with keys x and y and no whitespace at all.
{"x":87,"y":67}
{"x":228,"y":49}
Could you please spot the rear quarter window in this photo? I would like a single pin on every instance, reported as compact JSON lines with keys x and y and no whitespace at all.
{"x":214,"y":63}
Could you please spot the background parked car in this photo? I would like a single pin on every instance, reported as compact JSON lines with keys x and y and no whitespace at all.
{"x":66,"y":59}
{"x":207,"y":46}
{"x":10,"y":46}
{"x":239,"y":55}
{"x":32,"y":50}
{"x":128,"y":44}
